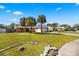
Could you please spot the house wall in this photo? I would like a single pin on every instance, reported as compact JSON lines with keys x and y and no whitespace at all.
{"x":2,"y":30}
{"x":50,"y":29}
{"x":39,"y":30}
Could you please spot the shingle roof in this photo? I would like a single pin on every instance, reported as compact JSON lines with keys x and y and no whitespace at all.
{"x":32,"y":27}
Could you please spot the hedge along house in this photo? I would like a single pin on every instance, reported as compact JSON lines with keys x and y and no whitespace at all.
{"x":28,"y":29}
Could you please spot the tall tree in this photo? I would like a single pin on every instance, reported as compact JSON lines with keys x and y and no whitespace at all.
{"x":22,"y":21}
{"x":41,"y":19}
{"x":31,"y":22}
{"x":2,"y":26}
{"x":12,"y":25}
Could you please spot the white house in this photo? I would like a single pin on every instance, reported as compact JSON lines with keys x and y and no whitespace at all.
{"x":60,"y":28}
{"x":2,"y":30}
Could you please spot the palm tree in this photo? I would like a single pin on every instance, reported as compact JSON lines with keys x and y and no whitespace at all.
{"x":22,"y":21}
{"x":41,"y":19}
{"x":31,"y":22}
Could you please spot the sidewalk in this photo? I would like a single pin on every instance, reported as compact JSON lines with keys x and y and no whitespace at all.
{"x":64,"y":33}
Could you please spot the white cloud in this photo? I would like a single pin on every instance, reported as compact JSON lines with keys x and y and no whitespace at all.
{"x":77,"y":4}
{"x":13,"y":20}
{"x":18,"y":13}
{"x":8,"y":11}
{"x":76,"y":17}
{"x":2,"y":7}
{"x":59,"y":8}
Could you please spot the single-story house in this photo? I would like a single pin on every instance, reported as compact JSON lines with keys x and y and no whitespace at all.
{"x":55,"y":28}
{"x":2,"y":30}
{"x":34,"y":28}
{"x":60,"y":28}
{"x":24,"y":29}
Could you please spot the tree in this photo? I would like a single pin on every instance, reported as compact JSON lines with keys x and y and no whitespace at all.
{"x":22,"y":21}
{"x":41,"y":19}
{"x":2,"y":26}
{"x":49,"y":24}
{"x":31,"y":22}
{"x":66,"y":27}
{"x":55,"y":25}
{"x":12,"y":25}
{"x":76,"y":27}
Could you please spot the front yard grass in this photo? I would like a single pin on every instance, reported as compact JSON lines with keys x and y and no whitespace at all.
{"x":7,"y":39}
{"x":72,"y":32}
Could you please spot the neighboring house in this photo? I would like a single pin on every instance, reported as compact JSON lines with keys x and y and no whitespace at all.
{"x":56,"y":28}
{"x":77,"y":30}
{"x":60,"y":28}
{"x":2,"y":30}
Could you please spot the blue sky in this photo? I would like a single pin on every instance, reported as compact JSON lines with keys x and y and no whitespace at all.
{"x":62,"y":13}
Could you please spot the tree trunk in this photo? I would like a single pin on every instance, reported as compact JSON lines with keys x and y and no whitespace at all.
{"x":31,"y":28}
{"x":25,"y":26}
{"x":41,"y":27}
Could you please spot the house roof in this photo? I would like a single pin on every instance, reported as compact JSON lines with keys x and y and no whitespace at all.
{"x":32,"y":27}
{"x":44,"y":27}
{"x":2,"y":28}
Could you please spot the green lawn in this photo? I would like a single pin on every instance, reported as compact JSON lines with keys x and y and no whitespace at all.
{"x":7,"y":39}
{"x":73,"y":32}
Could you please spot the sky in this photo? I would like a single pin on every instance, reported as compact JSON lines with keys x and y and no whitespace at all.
{"x":62,"y":13}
